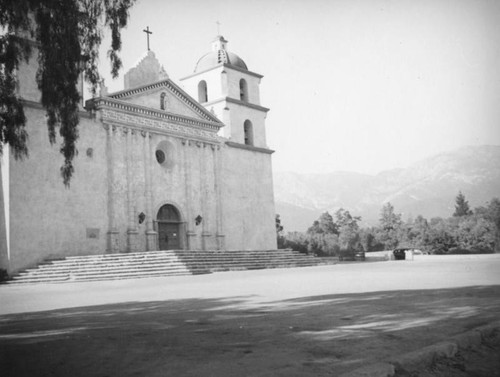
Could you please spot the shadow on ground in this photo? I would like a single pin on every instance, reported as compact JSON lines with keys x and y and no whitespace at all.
{"x":310,"y":336}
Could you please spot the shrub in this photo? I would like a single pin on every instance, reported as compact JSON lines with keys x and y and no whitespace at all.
{"x":4,"y":276}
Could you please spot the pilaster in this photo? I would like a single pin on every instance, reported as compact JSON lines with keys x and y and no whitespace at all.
{"x":191,"y":240}
{"x":112,"y":234}
{"x":151,"y":235}
{"x":221,"y":241}
{"x":190,"y":234}
{"x":205,"y":239}
{"x":219,"y":233}
{"x":204,"y":198}
{"x":132,"y":233}
{"x":133,"y":240}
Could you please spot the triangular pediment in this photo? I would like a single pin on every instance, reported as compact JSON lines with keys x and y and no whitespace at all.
{"x":175,"y":100}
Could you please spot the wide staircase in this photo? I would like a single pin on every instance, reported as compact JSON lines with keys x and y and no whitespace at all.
{"x":159,"y":263}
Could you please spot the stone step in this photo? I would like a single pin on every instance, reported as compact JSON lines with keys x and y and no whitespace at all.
{"x":172,"y":262}
{"x":48,"y":267}
{"x":132,"y":276}
{"x":117,"y":258}
{"x":95,"y":259}
{"x":101,"y":266}
{"x":160,"y":263}
{"x":127,"y":257}
{"x":246,"y":262}
{"x":249,"y":262}
{"x":68,"y":278}
{"x":231,"y":256}
{"x":102,"y":270}
{"x":193,"y":261}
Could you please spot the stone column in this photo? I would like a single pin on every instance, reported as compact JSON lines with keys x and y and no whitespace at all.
{"x":219,"y":235}
{"x":190,"y":233}
{"x":151,"y":235}
{"x":132,"y":233}
{"x":112,"y":233}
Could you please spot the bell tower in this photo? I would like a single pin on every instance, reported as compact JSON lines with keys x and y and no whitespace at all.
{"x":222,"y":83}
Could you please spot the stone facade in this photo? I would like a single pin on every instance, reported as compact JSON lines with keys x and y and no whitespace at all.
{"x":155,"y":169}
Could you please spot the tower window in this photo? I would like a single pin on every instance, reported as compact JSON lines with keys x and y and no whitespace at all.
{"x":163,"y":101}
{"x":243,"y":90}
{"x":248,"y":132}
{"x":202,"y":91}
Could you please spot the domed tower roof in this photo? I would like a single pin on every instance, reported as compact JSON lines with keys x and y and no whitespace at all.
{"x":219,"y":55}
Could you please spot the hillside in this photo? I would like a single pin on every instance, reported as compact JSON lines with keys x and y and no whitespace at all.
{"x":428,"y":187}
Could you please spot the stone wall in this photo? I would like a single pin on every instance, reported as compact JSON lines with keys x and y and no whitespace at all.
{"x":247,"y":200}
{"x":46,"y":218}
{"x":4,"y":251}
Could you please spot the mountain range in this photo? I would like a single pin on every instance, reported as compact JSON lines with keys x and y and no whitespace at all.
{"x":428,"y":188}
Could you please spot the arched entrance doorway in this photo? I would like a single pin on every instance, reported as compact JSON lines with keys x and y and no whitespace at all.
{"x":169,"y":225}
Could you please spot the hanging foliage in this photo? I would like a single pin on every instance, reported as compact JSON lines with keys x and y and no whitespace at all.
{"x":66,"y":35}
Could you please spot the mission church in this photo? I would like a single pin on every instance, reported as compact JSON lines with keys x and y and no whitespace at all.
{"x":159,"y":167}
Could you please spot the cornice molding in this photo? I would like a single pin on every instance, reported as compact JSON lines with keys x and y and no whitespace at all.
{"x":191,"y":139}
{"x":37,"y":105}
{"x":158,"y":126}
{"x":237,"y":102}
{"x":161,"y":115}
{"x":243,"y":70}
{"x":232,"y":144}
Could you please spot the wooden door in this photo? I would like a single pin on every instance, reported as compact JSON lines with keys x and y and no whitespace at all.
{"x":168,"y":235}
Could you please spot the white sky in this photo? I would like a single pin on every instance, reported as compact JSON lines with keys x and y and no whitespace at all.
{"x":356,"y":85}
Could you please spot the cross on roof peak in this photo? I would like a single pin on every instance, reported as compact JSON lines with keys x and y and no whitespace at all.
{"x":147,"y":34}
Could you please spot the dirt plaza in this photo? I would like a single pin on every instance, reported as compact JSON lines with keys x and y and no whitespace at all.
{"x":316,"y":321}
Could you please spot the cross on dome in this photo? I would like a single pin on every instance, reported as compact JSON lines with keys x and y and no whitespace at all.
{"x":219,"y":43}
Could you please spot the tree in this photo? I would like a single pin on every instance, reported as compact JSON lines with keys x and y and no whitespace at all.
{"x":348,"y":229}
{"x":279,"y":227}
{"x":344,"y":218}
{"x":67,"y":35}
{"x":388,"y":219}
{"x":441,"y":235}
{"x":297,"y":241}
{"x":279,"y":232}
{"x":491,"y":213}
{"x":324,"y":224}
{"x":322,"y":243}
{"x":419,"y":231}
{"x":494,"y":211}
{"x":368,"y":240}
{"x":476,"y":234}
{"x":494,"y":216}
{"x":461,"y":206}
{"x":390,"y":224}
